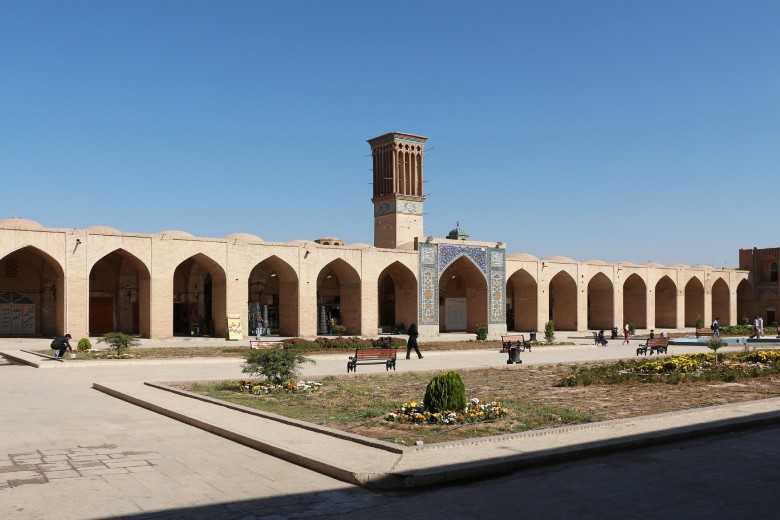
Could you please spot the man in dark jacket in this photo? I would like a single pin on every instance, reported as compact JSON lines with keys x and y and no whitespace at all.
{"x":61,"y":344}
{"x":412,"y":343}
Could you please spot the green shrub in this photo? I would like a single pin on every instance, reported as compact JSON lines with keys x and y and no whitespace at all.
{"x":339,"y":330}
{"x":714,"y":344}
{"x":84,"y":345}
{"x":119,"y":341}
{"x":549,"y":331}
{"x":340,"y":343}
{"x":699,"y":322}
{"x":278,"y":366}
{"x":445,"y":392}
{"x":631,"y":329}
{"x":482,"y":332}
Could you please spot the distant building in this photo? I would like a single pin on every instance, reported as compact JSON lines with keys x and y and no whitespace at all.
{"x":99,"y":279}
{"x":763,"y":297}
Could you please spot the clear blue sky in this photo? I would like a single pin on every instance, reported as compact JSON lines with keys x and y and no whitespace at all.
{"x":616,"y":130}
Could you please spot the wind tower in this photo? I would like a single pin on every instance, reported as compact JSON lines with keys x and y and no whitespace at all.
{"x":398,"y":189}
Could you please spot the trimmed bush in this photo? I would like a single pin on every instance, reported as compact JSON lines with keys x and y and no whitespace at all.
{"x":482,"y":332}
{"x":278,"y":366}
{"x":341,"y":343}
{"x":549,"y":331}
{"x":84,"y":345}
{"x":445,"y":392}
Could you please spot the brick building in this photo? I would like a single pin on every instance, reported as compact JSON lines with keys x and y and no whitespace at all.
{"x":99,"y":279}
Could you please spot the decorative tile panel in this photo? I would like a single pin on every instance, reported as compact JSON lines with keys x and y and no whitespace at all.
{"x":497,"y":286}
{"x":450,"y":253}
{"x":429,"y":285}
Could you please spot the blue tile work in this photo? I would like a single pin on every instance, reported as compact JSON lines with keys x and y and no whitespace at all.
{"x":497,"y":286}
{"x":434,"y":259}
{"x":429,"y":285}
{"x":448,"y":254}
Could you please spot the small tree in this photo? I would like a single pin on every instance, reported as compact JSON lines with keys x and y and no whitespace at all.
{"x":84,"y":345}
{"x":714,"y":344}
{"x":445,"y":392}
{"x":699,"y":322}
{"x":631,"y":329}
{"x":119,"y":341}
{"x":482,"y":332}
{"x":278,"y":366}
{"x":549,"y":331}
{"x":339,"y":330}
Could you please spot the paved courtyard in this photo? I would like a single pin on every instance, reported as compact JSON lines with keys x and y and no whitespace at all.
{"x":69,"y":451}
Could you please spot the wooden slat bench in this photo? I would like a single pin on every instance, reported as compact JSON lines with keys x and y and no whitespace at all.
{"x":514,"y":340}
{"x":257,"y":344}
{"x":372,"y":356}
{"x":705,"y":333}
{"x":655,"y":345}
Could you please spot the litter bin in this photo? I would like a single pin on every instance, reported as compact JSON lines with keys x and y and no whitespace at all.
{"x":533,"y":336}
{"x":194,"y":330}
{"x":614,"y":333}
{"x":514,"y":355}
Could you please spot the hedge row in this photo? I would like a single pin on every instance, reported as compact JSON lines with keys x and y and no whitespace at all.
{"x":341,"y":343}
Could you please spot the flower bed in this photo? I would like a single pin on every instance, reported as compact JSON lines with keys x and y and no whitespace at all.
{"x":252,"y":387}
{"x":415,"y":413}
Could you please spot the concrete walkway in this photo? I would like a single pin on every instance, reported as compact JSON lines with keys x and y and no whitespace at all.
{"x":96,"y":456}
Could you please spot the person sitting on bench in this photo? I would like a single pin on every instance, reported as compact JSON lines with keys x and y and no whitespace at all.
{"x":601,"y":339}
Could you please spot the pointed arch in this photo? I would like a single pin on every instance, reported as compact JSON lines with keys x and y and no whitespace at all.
{"x":665,"y":303}
{"x":397,"y":294}
{"x":635,"y":301}
{"x":522,"y":302}
{"x":694,"y":301}
{"x":119,"y":294}
{"x":38,"y":281}
{"x":721,"y":305}
{"x":601,"y":308}
{"x":273,"y":294}
{"x":563,"y":301}
{"x":746,"y":307}
{"x":338,"y":297}
{"x":200,"y":297}
{"x":463,"y":304}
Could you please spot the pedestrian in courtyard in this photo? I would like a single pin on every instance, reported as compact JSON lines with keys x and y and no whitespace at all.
{"x":260,"y":324}
{"x":61,"y":344}
{"x":626,"y":333}
{"x":761,"y":326}
{"x":715,"y":327}
{"x":758,"y":329}
{"x":412,"y":342}
{"x":601,"y":339}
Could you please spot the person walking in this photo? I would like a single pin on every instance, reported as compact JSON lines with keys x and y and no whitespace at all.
{"x":757,"y":326}
{"x":260,"y":324}
{"x":626,"y":333}
{"x":412,"y":342}
{"x":715,"y":328}
{"x":61,"y":344}
{"x":760,"y":327}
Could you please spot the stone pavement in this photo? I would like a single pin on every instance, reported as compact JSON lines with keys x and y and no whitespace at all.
{"x":69,"y":451}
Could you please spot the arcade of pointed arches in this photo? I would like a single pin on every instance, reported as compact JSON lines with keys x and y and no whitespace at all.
{"x":122,"y":295}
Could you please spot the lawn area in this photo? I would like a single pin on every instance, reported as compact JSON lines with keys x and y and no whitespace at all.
{"x":240,"y":351}
{"x":360,"y":404}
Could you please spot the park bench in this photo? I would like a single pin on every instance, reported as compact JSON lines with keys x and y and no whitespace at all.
{"x":596,"y":339}
{"x":257,"y":344}
{"x":705,"y":333}
{"x":655,"y":345}
{"x":372,"y":356}
{"x":514,"y":340}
